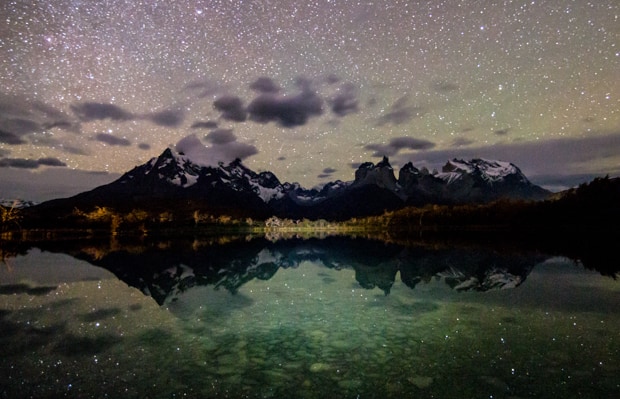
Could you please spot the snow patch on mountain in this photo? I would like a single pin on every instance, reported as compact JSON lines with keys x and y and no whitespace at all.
{"x":16,"y":203}
{"x":489,"y":170}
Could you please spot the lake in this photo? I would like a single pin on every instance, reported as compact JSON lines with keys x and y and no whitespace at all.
{"x":247,"y":317}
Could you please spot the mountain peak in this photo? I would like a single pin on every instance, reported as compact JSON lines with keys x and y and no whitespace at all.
{"x":235,"y":189}
{"x":489,"y":170}
{"x":380,"y":174}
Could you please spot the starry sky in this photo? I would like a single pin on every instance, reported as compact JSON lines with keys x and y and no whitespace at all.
{"x":307,"y":90}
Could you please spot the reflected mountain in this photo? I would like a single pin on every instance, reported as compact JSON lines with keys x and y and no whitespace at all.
{"x":166,"y":270}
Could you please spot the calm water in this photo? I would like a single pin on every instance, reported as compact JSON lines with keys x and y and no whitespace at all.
{"x":319,"y":318}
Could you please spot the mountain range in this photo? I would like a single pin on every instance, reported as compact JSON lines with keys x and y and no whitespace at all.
{"x":173,"y":181}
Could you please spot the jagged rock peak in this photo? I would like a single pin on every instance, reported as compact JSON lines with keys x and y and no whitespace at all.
{"x":385,"y":162}
{"x":380,"y":174}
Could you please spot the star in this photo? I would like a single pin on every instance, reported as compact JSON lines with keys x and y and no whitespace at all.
{"x":313,"y":86}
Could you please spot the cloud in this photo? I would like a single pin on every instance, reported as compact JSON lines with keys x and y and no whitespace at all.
{"x":63,"y":146}
{"x":50,"y":161}
{"x":20,"y":116}
{"x":49,"y":183}
{"x":11,"y":138}
{"x":112,"y":140}
{"x":90,"y":111}
{"x":204,"y":125}
{"x":327,"y":172}
{"x":65,"y":125}
{"x":461,"y":142}
{"x":288,"y":111}
{"x":23,"y":163}
{"x":345,"y":101}
{"x":399,"y":143}
{"x":332,"y":78}
{"x":144,"y":146}
{"x":501,"y":132}
{"x":168,"y":118}
{"x":220,"y":136}
{"x":400,"y":112}
{"x":203,"y":88}
{"x":264,"y":85}
{"x":20,"y":126}
{"x":193,"y":148}
{"x":444,"y":86}
{"x":231,"y":108}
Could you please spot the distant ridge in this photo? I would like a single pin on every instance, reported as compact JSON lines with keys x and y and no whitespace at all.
{"x":173,"y":181}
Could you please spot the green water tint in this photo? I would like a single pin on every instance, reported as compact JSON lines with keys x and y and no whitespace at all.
{"x":307,"y":330}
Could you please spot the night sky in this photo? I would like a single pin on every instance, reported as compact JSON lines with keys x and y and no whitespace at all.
{"x":307,"y":90}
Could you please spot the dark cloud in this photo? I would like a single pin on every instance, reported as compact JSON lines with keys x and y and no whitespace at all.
{"x":211,"y":155}
{"x":11,"y":138}
{"x":144,"y":146}
{"x":399,"y":143}
{"x":220,"y":136}
{"x":332,"y":79}
{"x":204,"y":125}
{"x":48,"y":111}
{"x":65,"y":125}
{"x":461,"y":142}
{"x":63,"y":146}
{"x":304,"y":83}
{"x":345,"y":101}
{"x":91,"y":111}
{"x":203,"y":88}
{"x":288,"y":111}
{"x":168,"y":118}
{"x":20,"y":116}
{"x":501,"y":132}
{"x":400,"y":112}
{"x":443,"y":86}
{"x":329,"y":170}
{"x":563,"y":158}
{"x":20,"y":163}
{"x":21,"y":127}
{"x":231,"y":108}
{"x":50,"y":161}
{"x":264,"y":85}
{"x":112,"y":140}
{"x":69,"y":149}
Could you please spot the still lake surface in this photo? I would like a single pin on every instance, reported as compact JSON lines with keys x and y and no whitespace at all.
{"x":331,"y":317}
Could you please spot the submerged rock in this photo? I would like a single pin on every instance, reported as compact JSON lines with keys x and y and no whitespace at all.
{"x":420,"y":381}
{"x":318,"y":367}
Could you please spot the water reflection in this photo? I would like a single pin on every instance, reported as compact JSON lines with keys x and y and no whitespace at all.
{"x":333,"y":317}
{"x":164,"y":271}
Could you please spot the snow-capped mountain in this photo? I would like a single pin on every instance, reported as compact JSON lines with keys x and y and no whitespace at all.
{"x":234,"y":189}
{"x":16,"y":203}
{"x":490,"y":171}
